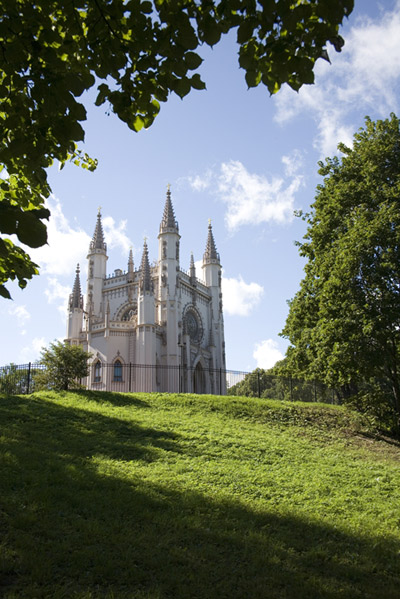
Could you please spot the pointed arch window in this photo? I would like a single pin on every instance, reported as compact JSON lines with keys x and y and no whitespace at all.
{"x":117,"y":371}
{"x":97,"y":371}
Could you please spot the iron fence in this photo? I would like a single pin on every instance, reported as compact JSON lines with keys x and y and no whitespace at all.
{"x":21,"y":379}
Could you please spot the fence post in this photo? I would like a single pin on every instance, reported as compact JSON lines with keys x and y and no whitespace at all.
{"x":28,"y":382}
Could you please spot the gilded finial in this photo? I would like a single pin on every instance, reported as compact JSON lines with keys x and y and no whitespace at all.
{"x":209,"y":222}
{"x":99,"y":210}
{"x":168,"y":187}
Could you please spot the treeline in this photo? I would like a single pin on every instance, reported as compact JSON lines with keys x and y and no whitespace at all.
{"x":269,"y":384}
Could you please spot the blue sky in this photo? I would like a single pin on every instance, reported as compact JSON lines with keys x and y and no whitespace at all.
{"x":240,"y":157}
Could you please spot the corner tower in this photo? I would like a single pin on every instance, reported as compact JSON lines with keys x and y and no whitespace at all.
{"x":145,"y":331}
{"x":75,"y":311}
{"x":212,"y":275}
{"x":168,"y":280}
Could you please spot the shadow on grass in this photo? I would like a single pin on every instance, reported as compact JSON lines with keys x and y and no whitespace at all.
{"x":70,"y":530}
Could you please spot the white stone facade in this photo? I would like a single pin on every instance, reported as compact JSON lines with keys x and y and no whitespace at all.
{"x":155,"y":328}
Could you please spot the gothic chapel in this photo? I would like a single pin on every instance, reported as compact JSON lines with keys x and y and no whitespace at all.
{"x":155,"y":328}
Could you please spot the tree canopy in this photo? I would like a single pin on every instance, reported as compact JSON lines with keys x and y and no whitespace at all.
{"x":137,"y":52}
{"x":64,"y":366}
{"x":344,"y":322}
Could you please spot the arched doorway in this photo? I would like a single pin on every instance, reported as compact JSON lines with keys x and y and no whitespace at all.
{"x":199,"y":381}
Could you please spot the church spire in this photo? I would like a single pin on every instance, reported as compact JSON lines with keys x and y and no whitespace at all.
{"x":145,"y":278}
{"x":168,"y":220}
{"x":192,"y":269}
{"x":76,"y":299}
{"x":211,"y":254}
{"x":97,"y":242}
{"x":130,"y":261}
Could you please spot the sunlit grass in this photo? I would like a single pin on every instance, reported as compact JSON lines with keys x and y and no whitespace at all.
{"x":173,"y":496}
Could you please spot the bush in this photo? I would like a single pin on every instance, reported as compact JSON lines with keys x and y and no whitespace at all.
{"x":64,"y":366}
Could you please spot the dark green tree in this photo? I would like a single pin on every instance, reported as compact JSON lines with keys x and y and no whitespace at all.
{"x":64,"y":366}
{"x":344,"y":322}
{"x":13,"y":379}
{"x":137,"y":53}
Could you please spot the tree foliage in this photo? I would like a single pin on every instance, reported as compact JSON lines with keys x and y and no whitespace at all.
{"x":344,"y":322}
{"x":13,"y":379}
{"x":137,"y":52}
{"x":64,"y":366}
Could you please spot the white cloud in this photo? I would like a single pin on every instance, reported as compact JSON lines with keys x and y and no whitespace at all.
{"x":201,"y":182}
{"x":239,"y":297}
{"x":57,"y":293}
{"x":21,"y":314}
{"x":364,"y":77}
{"x":251,"y":198}
{"x":293,"y":163}
{"x":115,"y":234}
{"x":31,"y":353}
{"x":266,"y":353}
{"x":66,"y":246}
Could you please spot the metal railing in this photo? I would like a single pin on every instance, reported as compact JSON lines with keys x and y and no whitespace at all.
{"x":21,"y":379}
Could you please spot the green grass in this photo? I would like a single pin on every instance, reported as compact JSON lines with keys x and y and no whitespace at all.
{"x":143,"y":496}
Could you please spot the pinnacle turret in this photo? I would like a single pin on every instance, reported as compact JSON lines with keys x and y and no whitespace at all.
{"x":97,"y":242}
{"x":145,"y":278}
{"x":192,"y":269}
{"x":76,"y":298}
{"x":211,"y":254}
{"x":130,"y":261}
{"x":168,"y":220}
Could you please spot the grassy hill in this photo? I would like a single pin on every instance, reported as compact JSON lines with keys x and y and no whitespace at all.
{"x":143,"y":496}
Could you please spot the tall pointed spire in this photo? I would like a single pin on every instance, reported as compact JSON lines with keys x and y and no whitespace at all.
{"x":168,"y":220}
{"x":211,"y":254}
{"x":97,"y":242}
{"x":131,"y":273}
{"x":192,"y":270}
{"x":76,"y":298}
{"x":130,"y":261}
{"x":145,"y":278}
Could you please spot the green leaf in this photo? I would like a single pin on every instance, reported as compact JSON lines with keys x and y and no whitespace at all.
{"x":4,"y":292}
{"x":8,"y":218}
{"x":31,"y":230}
{"x":245,"y":31}
{"x":192,"y":60}
{"x":253,"y":78}
{"x":182,"y":87}
{"x":211,"y":33}
{"x":196,"y":82}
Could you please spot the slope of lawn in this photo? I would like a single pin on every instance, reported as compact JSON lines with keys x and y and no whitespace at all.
{"x":106,"y":495}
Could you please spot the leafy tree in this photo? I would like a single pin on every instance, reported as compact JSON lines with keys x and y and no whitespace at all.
{"x":64,"y":366}
{"x":344,"y":322}
{"x":13,"y":379}
{"x":137,"y":53}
